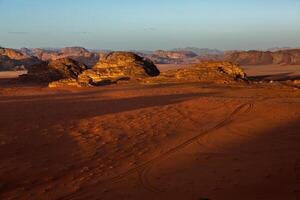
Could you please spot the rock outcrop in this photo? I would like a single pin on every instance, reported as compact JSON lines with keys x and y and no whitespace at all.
{"x":217,"y":72}
{"x":117,"y":66}
{"x":48,"y":71}
{"x":283,"y":57}
{"x":112,"y":68}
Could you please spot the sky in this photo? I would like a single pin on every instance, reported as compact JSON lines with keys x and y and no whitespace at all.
{"x":150,"y":24}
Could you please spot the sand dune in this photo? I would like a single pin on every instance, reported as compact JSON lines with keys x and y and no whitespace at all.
{"x":172,"y":141}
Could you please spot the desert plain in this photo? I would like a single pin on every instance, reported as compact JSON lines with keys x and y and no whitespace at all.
{"x":193,"y":141}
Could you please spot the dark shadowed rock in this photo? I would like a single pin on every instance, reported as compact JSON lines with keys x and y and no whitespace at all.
{"x":48,"y":71}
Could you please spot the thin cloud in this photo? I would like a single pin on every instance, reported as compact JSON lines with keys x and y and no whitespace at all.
{"x":150,"y":29}
{"x":24,"y":32}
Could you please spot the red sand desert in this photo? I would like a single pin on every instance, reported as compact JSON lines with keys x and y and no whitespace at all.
{"x":133,"y":141}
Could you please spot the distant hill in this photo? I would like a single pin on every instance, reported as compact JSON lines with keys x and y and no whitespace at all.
{"x":12,"y":59}
{"x":282,"y":57}
{"x":79,"y":54}
{"x":200,"y":52}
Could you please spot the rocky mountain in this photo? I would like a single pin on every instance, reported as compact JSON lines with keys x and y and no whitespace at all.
{"x":170,"y":57}
{"x":112,"y":68}
{"x":175,"y":54}
{"x":76,"y":53}
{"x":203,"y":51}
{"x":11,"y":59}
{"x":278,"y":49}
{"x":188,"y":55}
{"x":283,"y":57}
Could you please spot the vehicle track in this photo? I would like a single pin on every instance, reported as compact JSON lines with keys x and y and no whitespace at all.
{"x":144,"y":169}
{"x":143,"y":176}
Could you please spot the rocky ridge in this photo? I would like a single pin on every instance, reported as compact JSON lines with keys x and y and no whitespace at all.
{"x":214,"y":72}
{"x":282,"y":57}
{"x":11,"y":59}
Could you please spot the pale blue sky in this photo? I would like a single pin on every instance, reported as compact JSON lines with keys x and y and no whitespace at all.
{"x":150,"y":24}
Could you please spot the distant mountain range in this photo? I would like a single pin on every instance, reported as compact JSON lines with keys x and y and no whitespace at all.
{"x":14,"y":59}
{"x":198,"y":51}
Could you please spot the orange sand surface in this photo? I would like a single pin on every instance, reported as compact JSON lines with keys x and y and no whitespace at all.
{"x":173,"y":141}
{"x":11,"y":74}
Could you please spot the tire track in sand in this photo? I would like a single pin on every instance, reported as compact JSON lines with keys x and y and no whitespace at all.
{"x":143,"y":175}
{"x":144,"y":169}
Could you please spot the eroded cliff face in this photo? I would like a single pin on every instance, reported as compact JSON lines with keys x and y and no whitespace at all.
{"x":283,"y":57}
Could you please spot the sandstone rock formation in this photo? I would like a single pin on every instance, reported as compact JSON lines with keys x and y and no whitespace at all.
{"x":119,"y":66}
{"x":283,"y":57}
{"x":217,"y":72}
{"x":114,"y":67}
{"x":48,"y":71}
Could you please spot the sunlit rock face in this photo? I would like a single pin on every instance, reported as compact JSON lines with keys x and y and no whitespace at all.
{"x":117,"y":66}
{"x":216,"y":72}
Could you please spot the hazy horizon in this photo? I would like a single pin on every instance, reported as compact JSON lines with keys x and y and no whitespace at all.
{"x":150,"y":25}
